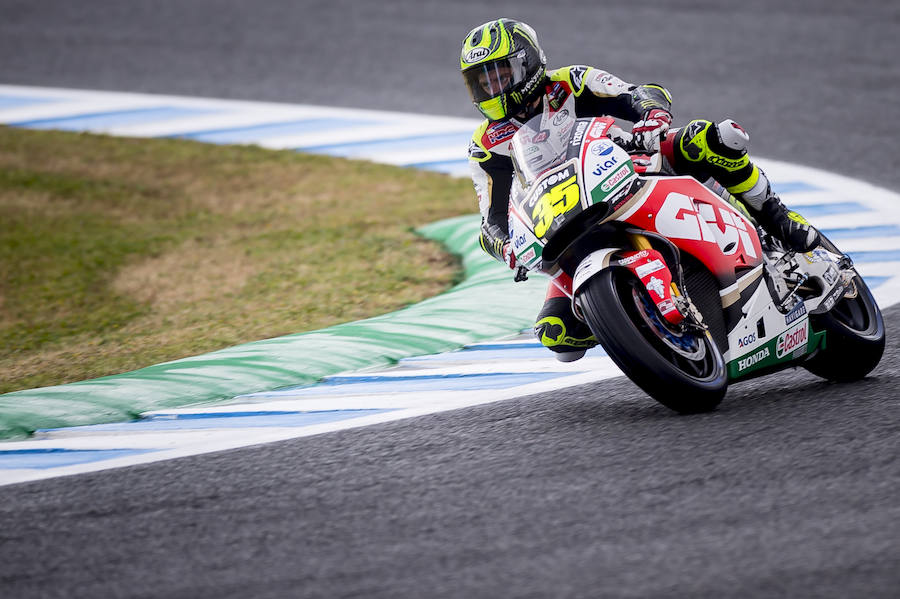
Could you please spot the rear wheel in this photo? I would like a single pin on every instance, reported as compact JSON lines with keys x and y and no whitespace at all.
{"x":854,"y":339}
{"x":683,"y":370}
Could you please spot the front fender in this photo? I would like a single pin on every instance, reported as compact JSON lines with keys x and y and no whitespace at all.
{"x":592,"y":264}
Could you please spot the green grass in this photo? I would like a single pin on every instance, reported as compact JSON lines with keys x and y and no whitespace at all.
{"x":121,"y":253}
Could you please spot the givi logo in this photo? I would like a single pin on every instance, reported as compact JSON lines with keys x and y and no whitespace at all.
{"x":679,"y":218}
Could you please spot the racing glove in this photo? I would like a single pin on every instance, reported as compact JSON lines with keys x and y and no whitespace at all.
{"x":508,"y":256}
{"x":648,"y":131}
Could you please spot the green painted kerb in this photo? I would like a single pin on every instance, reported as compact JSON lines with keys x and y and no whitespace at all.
{"x":486,"y":305}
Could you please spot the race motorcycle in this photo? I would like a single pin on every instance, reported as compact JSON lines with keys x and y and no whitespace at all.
{"x":673,"y":277}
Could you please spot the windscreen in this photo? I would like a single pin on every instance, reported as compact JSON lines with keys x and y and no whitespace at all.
{"x":541,"y":143}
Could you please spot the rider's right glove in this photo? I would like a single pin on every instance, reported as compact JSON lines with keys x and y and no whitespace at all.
{"x":648,"y":131}
{"x":508,"y":256}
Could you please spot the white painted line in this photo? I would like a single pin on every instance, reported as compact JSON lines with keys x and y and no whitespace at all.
{"x":868,"y":244}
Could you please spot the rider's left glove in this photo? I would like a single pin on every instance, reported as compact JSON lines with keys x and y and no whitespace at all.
{"x":648,"y":131}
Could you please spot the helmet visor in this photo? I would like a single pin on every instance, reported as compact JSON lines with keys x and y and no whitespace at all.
{"x":495,"y":78}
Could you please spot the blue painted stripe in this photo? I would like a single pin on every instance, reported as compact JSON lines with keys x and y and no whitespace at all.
{"x":532,"y":352}
{"x":443,"y":166}
{"x":16,"y":101}
{"x":202,"y":415}
{"x":874,"y":281}
{"x":812,"y":210}
{"x":55,"y":458}
{"x":376,"y":378}
{"x":495,"y":346}
{"x":857,"y":232}
{"x":417,"y":384}
{"x":256,"y":132}
{"x":398,"y":144}
{"x":214,"y":420}
{"x":455,"y":168}
{"x":875,"y":256}
{"x":112,"y":118}
{"x":794,"y":186}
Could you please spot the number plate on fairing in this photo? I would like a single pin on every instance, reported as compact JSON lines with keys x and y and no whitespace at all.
{"x":550,"y":201}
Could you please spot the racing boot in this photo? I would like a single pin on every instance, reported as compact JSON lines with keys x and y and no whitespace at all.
{"x":779,"y":222}
{"x":559,"y":331}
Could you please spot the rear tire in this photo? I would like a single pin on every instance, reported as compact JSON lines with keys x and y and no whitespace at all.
{"x":854,"y":340}
{"x":684,"y":372}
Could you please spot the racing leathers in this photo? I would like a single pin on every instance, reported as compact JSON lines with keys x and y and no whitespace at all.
{"x":702,"y":149}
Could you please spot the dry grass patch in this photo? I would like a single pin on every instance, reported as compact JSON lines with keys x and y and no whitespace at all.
{"x":120,"y":253}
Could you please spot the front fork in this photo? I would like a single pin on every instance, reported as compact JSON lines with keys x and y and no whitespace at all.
{"x":639,"y":242}
{"x":684,"y":312}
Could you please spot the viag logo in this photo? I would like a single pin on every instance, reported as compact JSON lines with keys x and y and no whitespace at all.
{"x":602,"y":148}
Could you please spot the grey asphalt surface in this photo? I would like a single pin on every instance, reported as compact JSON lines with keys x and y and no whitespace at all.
{"x":788,"y":490}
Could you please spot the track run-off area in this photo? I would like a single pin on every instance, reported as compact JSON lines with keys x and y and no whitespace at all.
{"x":862,"y":219}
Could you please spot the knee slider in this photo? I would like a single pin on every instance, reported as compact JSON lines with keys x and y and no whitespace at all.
{"x":550,"y":331}
{"x":553,"y":334}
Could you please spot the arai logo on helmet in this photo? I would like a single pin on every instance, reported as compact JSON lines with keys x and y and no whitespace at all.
{"x":603,"y":148}
{"x":476,"y":54}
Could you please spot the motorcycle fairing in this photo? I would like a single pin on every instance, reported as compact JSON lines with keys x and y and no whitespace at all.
{"x":700,"y":223}
{"x":766,"y":337}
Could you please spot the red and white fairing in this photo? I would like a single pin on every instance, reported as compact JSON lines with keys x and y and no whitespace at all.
{"x":700,"y":223}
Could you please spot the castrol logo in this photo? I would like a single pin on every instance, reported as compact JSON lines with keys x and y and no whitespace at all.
{"x":792,"y":339}
{"x":615,"y":179}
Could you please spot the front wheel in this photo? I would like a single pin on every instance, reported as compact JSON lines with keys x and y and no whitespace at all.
{"x":684,"y":371}
{"x":854,"y":338}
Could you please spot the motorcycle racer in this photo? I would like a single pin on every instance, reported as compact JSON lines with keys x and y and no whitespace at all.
{"x":504,"y":69}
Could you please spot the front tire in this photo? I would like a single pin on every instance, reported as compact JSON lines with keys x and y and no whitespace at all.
{"x":854,"y":339}
{"x":683,"y":371}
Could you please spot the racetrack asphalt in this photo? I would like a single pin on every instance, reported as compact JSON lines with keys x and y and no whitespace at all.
{"x":788,"y":490}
